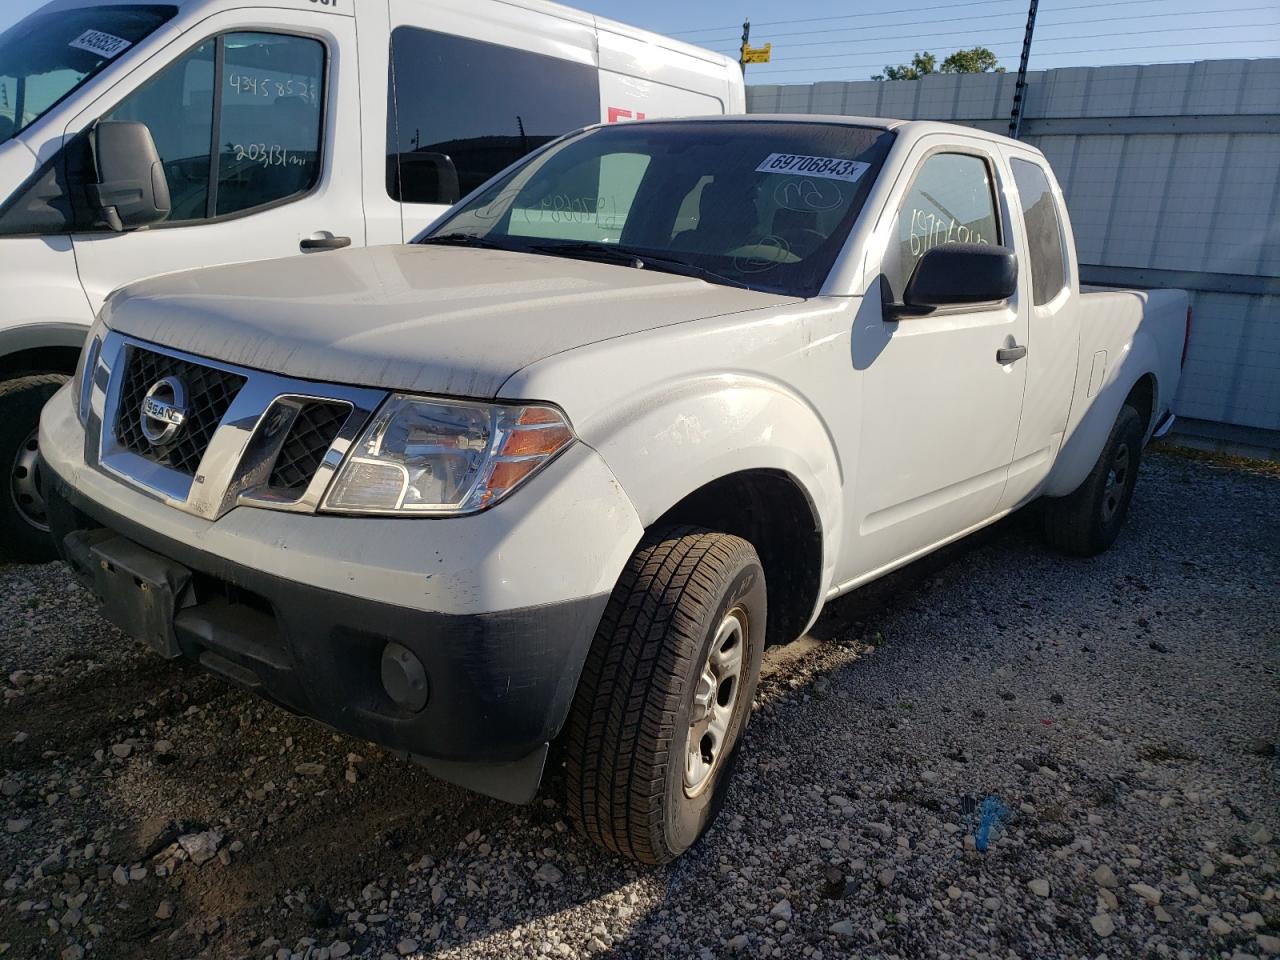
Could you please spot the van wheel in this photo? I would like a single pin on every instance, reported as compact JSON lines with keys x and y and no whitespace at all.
{"x":666,"y":693}
{"x":24,"y":527}
{"x":1088,"y":521}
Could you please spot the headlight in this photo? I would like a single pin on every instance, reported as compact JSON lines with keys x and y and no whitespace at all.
{"x":84,"y":370}
{"x":445,"y":458}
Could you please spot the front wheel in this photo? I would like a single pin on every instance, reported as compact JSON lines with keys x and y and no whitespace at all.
{"x":666,"y":693}
{"x":24,"y":526}
{"x":1087,"y":522}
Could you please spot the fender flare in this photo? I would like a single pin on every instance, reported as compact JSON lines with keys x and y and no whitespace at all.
{"x":39,"y":336}
{"x":668,"y":443}
{"x":1087,"y":434}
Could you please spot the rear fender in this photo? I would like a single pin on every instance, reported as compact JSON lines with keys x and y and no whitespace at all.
{"x":1089,"y":427}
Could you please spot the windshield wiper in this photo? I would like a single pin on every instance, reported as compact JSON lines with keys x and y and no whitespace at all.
{"x":637,"y":259}
{"x":465,"y":240}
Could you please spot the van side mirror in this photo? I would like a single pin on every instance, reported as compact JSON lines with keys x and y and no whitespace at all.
{"x":132,"y":190}
{"x":957,"y":274}
{"x":423,"y":177}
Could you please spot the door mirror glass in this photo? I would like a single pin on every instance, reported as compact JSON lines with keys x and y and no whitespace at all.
{"x":131,"y":189}
{"x":958,"y":274}
{"x":423,"y":177}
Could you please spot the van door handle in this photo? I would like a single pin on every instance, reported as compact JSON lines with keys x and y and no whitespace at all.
{"x":324,"y":243}
{"x":1007,"y":355}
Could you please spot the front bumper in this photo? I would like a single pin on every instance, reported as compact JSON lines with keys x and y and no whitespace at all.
{"x":499,"y":608}
{"x":499,"y":684}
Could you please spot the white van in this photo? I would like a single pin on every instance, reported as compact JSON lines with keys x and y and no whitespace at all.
{"x":144,"y":138}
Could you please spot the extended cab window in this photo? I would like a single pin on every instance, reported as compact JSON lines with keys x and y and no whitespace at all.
{"x":268,"y":90}
{"x":474,"y":108}
{"x":950,"y":201}
{"x":1044,"y":231}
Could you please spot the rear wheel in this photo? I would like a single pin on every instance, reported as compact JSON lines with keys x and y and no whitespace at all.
{"x":24,"y":524}
{"x":666,"y":693}
{"x":1087,"y":522}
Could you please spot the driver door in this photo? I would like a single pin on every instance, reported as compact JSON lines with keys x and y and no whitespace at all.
{"x":257,"y":123}
{"x":940,"y":412}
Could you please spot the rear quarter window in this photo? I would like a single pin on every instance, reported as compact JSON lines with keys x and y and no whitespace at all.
{"x":1044,"y":231}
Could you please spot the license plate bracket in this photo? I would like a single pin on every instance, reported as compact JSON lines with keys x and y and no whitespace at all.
{"x":140,"y":591}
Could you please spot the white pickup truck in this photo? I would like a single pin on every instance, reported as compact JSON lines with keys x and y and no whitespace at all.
{"x":547,"y":480}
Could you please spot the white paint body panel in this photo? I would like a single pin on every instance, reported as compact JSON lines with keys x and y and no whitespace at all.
{"x":901,"y":436}
{"x":638,"y":70}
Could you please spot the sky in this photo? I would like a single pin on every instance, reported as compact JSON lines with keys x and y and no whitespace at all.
{"x":821,"y":39}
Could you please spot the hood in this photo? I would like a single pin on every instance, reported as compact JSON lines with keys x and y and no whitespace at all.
{"x":426,"y":319}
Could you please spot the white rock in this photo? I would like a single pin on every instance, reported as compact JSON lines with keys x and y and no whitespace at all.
{"x":1039,"y":886}
{"x":1102,"y":924}
{"x":200,"y":847}
{"x":1146,"y":892}
{"x":406,"y":947}
{"x":339,"y":949}
{"x":781,"y":910}
{"x":548,"y":873}
{"x":842,"y":928}
{"x":1268,"y":944}
{"x":1105,"y":877}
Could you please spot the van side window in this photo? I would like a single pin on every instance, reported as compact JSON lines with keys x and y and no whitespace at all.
{"x":474,"y":107}
{"x":950,"y":201}
{"x":267,"y":127}
{"x":1044,"y":231}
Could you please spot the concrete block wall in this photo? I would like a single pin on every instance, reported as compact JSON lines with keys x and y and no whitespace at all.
{"x":1172,"y":176}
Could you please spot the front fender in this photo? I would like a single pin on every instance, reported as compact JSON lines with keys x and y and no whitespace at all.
{"x":665,"y":444}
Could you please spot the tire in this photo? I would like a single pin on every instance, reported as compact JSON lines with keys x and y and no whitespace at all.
{"x":1087,"y":522}
{"x":632,"y":783}
{"x":24,"y":533}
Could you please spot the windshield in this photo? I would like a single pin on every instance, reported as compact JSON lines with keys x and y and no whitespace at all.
{"x":48,"y":55}
{"x":760,"y":204}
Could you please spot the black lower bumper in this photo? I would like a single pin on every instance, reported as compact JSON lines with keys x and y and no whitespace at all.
{"x":498,"y":685}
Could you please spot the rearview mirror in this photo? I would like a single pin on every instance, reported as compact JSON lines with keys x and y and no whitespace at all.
{"x":957,"y":274}
{"x":131,"y":190}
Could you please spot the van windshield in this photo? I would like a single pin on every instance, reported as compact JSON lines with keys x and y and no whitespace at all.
{"x":49,"y":54}
{"x":760,"y":204}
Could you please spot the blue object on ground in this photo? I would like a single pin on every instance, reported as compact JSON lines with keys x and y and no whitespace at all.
{"x":991,"y":823}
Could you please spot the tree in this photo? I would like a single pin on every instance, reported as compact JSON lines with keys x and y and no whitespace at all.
{"x":921,"y":65}
{"x":974,"y":60}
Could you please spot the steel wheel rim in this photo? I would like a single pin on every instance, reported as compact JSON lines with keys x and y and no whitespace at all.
{"x":1117,"y":480}
{"x":715,"y":702}
{"x":24,"y":484}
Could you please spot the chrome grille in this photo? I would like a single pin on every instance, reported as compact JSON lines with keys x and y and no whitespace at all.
{"x":314,"y":429}
{"x":210,"y":392}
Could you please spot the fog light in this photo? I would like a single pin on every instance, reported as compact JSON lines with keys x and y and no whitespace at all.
{"x":404,"y":678}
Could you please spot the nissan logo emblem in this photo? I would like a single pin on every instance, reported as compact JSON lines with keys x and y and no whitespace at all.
{"x":164,"y":411}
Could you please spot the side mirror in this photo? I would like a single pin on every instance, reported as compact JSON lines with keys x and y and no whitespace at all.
{"x":422,"y":177}
{"x":131,"y":189}
{"x":956,"y":274}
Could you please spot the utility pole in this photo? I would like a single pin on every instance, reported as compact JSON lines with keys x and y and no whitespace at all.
{"x":1020,"y":90}
{"x":746,"y":42}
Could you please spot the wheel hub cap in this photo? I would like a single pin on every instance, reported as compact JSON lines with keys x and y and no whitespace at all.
{"x":24,"y":485}
{"x":715,"y":701}
{"x":1117,"y":480}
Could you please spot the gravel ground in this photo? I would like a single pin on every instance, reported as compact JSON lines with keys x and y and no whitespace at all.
{"x":1109,"y":728}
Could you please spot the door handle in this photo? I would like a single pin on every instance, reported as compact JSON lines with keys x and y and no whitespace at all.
{"x":324,"y":243}
{"x":1007,"y":355}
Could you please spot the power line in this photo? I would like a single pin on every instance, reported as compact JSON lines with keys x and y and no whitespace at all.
{"x":1050,"y":53}
{"x":775,"y":23}
{"x":1015,"y":43}
{"x":988,"y":32}
{"x":908,"y":23}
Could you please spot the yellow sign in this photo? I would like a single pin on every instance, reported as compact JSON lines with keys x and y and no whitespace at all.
{"x":756,"y":54}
